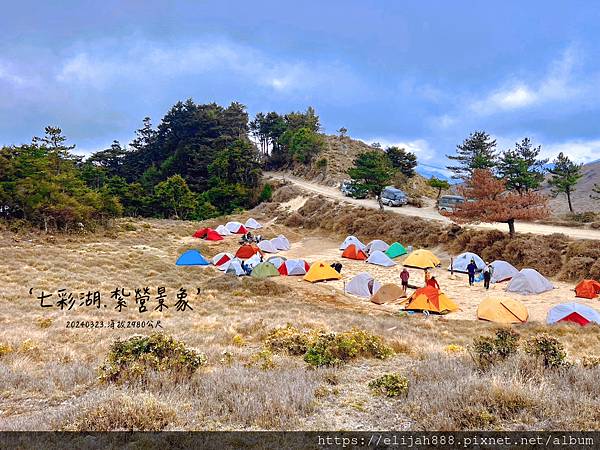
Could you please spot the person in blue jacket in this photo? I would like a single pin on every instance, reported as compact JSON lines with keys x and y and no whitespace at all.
{"x":471,"y":268}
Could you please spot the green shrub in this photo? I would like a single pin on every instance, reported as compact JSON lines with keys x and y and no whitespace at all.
{"x":590,"y":361}
{"x":390,"y":385}
{"x":331,"y":349}
{"x":263,"y":359}
{"x":266,"y":193}
{"x":486,"y":350}
{"x":131,"y":358}
{"x":548,"y":349}
{"x":321,"y":163}
{"x":288,"y":340}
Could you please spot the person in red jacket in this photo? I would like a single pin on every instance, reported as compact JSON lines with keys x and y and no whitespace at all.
{"x":433,"y":282}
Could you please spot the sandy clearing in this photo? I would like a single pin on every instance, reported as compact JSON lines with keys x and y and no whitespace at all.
{"x":432,"y":214}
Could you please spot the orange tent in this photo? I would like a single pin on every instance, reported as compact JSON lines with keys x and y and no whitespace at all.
{"x":247,"y":251}
{"x":353,"y":252}
{"x":587,"y":289}
{"x":430,"y":299}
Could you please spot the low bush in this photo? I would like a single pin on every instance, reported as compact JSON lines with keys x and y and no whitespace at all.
{"x":131,"y":358}
{"x":332,"y":349}
{"x":486,"y":351}
{"x":590,"y":361}
{"x":263,"y":359}
{"x":390,"y":385}
{"x":5,"y":349}
{"x":548,"y":349}
{"x":44,"y":322}
{"x":288,"y":340}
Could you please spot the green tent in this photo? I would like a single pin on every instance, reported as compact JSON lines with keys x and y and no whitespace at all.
{"x":395,"y":250}
{"x":264,"y":270}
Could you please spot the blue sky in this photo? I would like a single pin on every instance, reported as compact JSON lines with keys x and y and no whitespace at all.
{"x":422,"y":74}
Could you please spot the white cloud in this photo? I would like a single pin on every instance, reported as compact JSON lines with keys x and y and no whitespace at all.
{"x":100,"y":67}
{"x":9,"y":75}
{"x":581,"y":151}
{"x":558,"y":84}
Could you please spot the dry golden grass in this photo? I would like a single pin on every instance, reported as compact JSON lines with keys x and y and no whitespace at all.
{"x":50,"y":373}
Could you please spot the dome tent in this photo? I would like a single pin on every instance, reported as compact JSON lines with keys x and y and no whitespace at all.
{"x":529,"y":281}
{"x":294,"y":267}
{"x":277,"y":261}
{"x":587,"y":289}
{"x":321,"y":271}
{"x":236,"y":228}
{"x":209,"y":234}
{"x":431,"y":300}
{"x":422,"y":259}
{"x":246,"y":251}
{"x":221,"y":258}
{"x":223,"y":231}
{"x":267,"y":247}
{"x":352,"y":240}
{"x":264,"y":270}
{"x":460,"y":263}
{"x":502,"y":271}
{"x":387,"y":293}
{"x":376,"y":246}
{"x":192,"y":258}
{"x":281,"y":243}
{"x":352,"y":252}
{"x":363,"y":285}
{"x":252,"y":224}
{"x":573,"y":312}
{"x":395,"y":250}
{"x":502,"y":310}
{"x":235,"y":267}
{"x":381,"y":259}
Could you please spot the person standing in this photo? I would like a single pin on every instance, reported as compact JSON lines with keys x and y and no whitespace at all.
{"x":404,"y":277}
{"x":426,"y":276}
{"x":471,"y":268}
{"x":433,"y":283}
{"x":487,"y":276}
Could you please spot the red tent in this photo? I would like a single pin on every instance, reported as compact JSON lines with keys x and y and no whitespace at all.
{"x":587,"y":289}
{"x":575,"y":318}
{"x":247,"y":251}
{"x":209,"y":234}
{"x":352,"y":252}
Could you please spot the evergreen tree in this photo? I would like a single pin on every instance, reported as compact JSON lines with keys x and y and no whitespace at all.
{"x":520,"y":167}
{"x":372,"y":171}
{"x":438,"y":184}
{"x":478,"y":151}
{"x":402,"y":160}
{"x":565,"y":175}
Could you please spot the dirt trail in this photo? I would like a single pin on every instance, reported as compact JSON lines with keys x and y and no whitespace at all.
{"x":431,"y":213}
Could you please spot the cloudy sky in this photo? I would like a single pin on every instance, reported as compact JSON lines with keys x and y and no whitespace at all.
{"x":419,"y":73}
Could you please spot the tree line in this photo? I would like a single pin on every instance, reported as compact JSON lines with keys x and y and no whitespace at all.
{"x":198,"y":162}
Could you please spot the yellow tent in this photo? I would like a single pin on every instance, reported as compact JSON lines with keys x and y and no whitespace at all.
{"x":422,"y":259}
{"x":502,"y":310}
{"x":430,"y":299}
{"x":321,"y":271}
{"x":387,"y":293}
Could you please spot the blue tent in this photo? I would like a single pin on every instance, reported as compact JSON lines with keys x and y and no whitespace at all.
{"x":192,"y":258}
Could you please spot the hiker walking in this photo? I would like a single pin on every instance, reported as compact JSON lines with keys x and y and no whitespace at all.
{"x":404,"y":276}
{"x":426,"y":276}
{"x":433,"y":283}
{"x":487,"y":276}
{"x":471,"y":268}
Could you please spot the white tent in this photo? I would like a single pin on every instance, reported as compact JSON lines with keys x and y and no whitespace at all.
{"x":234,"y":227}
{"x":253,"y":224}
{"x":223,"y":267}
{"x":461,"y":262}
{"x":281,"y":242}
{"x":352,"y":240}
{"x":529,"y":281}
{"x":381,"y":259}
{"x":293,"y":267}
{"x":235,"y":268}
{"x":375,"y":246}
{"x":277,"y":261}
{"x":363,"y":285}
{"x":573,"y":312}
{"x":222,"y":257}
{"x":267,"y":246}
{"x":223,"y":231}
{"x":502,"y":271}
{"x":253,"y":261}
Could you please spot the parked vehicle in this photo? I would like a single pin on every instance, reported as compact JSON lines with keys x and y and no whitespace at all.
{"x":392,"y":196}
{"x":447,"y":203}
{"x":351,"y":190}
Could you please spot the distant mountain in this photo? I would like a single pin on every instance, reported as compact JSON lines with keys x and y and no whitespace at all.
{"x":581,"y":197}
{"x":430,"y":171}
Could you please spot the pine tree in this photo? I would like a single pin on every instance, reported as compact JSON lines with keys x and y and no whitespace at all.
{"x":565,"y":175}
{"x":402,"y":160}
{"x":520,"y":167}
{"x":438,"y":184}
{"x":372,"y":171}
{"x":478,"y":151}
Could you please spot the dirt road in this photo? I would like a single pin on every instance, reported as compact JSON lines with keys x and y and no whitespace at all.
{"x":431,"y":213}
